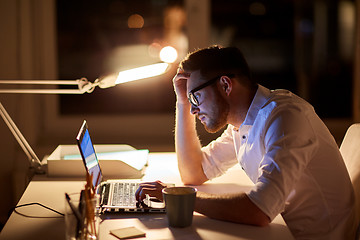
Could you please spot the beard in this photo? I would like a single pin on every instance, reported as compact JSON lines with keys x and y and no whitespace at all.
{"x":217,"y":116}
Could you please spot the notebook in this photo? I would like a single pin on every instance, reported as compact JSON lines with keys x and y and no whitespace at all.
{"x":115,"y":195}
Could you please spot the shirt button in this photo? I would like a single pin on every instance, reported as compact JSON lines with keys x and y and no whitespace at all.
{"x":244,"y":137}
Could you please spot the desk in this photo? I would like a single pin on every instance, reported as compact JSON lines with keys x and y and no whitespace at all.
{"x":163,"y":166}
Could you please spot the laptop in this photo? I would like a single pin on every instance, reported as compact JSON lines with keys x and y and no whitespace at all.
{"x":115,"y":195}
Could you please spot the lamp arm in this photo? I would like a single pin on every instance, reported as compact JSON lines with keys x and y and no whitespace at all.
{"x":83,"y":86}
{"x":34,"y":160}
{"x":41,"y":82}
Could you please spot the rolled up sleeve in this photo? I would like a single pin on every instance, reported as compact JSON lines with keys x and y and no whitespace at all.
{"x":288,"y":150}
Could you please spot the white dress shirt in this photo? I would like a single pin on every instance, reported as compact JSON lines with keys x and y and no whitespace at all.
{"x":294,"y":162}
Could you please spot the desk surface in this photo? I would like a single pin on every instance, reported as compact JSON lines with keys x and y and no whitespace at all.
{"x":35,"y":222}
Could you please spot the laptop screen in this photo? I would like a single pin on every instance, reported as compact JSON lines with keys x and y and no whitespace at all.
{"x":88,"y":154}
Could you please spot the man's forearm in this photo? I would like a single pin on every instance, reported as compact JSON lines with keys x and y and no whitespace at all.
{"x":188,"y":147}
{"x":236,"y":208}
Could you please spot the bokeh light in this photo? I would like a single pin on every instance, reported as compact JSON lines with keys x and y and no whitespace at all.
{"x":136,"y":21}
{"x":168,"y":54}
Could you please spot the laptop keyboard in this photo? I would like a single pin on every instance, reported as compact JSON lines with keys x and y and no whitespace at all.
{"x":124,"y":194}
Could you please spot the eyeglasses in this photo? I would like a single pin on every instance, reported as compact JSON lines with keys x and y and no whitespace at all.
{"x":191,"y":96}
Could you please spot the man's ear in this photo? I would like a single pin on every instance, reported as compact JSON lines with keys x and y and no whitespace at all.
{"x":226,"y":84}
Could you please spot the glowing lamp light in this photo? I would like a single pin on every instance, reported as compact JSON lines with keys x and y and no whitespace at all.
{"x":168,"y":54}
{"x":141,"y":72}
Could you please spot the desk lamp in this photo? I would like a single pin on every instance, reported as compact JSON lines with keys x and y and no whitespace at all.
{"x":83,"y":86}
{"x":86,"y":86}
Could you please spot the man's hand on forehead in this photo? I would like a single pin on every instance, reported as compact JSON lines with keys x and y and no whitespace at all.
{"x":182,"y":73}
{"x":179,"y":82}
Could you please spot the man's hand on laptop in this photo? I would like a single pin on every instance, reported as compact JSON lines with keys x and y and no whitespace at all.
{"x":153,"y":189}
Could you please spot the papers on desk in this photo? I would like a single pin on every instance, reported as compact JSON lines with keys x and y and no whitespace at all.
{"x":127,"y":233}
{"x":135,"y":158}
{"x":116,"y":161}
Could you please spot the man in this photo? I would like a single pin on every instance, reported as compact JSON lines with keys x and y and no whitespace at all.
{"x":275,"y":136}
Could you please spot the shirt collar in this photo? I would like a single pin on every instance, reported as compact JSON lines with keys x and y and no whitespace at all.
{"x":261,"y":96}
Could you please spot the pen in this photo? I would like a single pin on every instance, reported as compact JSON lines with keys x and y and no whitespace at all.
{"x":73,"y":209}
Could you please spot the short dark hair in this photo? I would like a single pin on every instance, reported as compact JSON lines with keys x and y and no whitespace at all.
{"x":217,"y":60}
